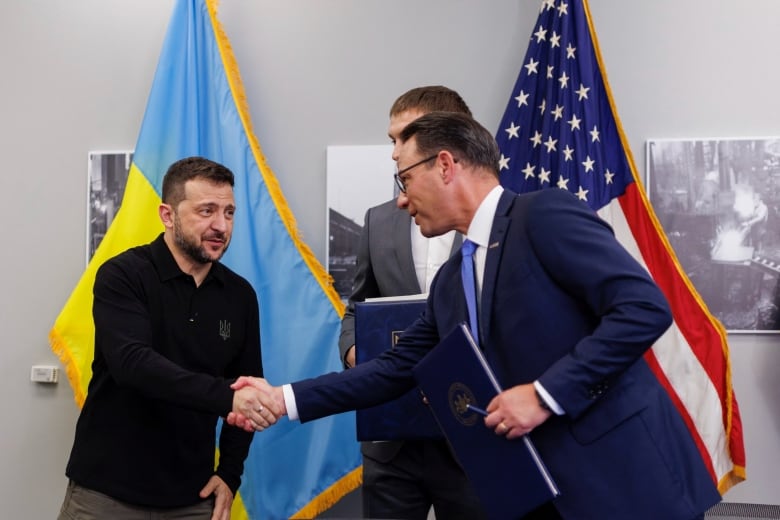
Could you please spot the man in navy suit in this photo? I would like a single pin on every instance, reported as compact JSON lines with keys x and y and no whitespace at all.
{"x":565,"y":315}
{"x":405,"y":478}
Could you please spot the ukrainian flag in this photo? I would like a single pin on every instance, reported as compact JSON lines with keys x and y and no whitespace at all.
{"x":197,"y":106}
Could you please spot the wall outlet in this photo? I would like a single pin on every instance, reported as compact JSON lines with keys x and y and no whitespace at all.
{"x":44,"y":374}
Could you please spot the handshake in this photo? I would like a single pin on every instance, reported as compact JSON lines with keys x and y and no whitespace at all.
{"x":256,"y":404}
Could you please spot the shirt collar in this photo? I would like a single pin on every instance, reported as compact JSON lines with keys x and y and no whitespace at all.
{"x":482,"y":223}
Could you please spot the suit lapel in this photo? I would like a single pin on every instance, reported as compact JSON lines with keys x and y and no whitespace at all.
{"x":457,"y":242}
{"x":495,"y":250}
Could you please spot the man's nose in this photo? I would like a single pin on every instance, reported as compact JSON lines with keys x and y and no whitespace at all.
{"x":219,"y":222}
{"x":402,"y":201}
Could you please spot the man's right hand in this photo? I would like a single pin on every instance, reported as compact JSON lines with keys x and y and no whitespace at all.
{"x":256,"y":404}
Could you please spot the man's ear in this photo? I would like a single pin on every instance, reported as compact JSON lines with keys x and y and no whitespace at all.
{"x":166,"y":214}
{"x":446,"y":166}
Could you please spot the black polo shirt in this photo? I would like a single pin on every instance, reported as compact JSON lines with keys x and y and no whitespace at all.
{"x":166,"y":352}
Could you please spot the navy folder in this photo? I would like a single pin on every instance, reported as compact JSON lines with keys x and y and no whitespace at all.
{"x":508,"y":476}
{"x":378,"y":324}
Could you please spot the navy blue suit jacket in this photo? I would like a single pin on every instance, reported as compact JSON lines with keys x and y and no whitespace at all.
{"x":563,"y":303}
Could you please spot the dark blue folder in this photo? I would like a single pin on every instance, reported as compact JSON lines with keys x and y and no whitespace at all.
{"x":378,"y":324}
{"x":508,"y":476}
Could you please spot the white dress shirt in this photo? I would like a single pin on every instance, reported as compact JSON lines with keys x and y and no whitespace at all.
{"x":429,"y":254}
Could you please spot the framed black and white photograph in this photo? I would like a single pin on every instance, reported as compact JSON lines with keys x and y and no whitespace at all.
{"x":106,"y":179}
{"x":358,"y":177}
{"x":718,"y":201}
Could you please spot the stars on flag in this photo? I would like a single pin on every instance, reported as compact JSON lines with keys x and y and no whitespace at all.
{"x":550,"y":144}
{"x":529,"y":170}
{"x":555,"y":40}
{"x":564,"y":80}
{"x":503,"y":163}
{"x":560,"y":142}
{"x":512,"y":130}
{"x":582,"y":92}
{"x":536,"y":139}
{"x":544,"y":176}
{"x":531,"y":66}
{"x":588,"y":164}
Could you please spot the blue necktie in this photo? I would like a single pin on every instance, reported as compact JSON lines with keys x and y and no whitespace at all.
{"x":469,"y":284}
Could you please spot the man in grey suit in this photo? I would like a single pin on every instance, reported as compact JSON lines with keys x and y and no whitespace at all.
{"x":403,"y":479}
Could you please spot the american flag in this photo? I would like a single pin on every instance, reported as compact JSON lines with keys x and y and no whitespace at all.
{"x":561,"y":130}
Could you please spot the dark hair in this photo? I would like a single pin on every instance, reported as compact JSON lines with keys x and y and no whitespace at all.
{"x":432,"y":98}
{"x":192,"y":168}
{"x":462,"y":136}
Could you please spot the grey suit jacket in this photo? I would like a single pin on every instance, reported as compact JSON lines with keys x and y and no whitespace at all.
{"x":385,"y":266}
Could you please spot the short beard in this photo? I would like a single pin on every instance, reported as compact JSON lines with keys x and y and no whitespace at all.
{"x":195,"y":252}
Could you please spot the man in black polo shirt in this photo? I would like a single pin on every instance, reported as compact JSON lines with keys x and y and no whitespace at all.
{"x":173,"y":329}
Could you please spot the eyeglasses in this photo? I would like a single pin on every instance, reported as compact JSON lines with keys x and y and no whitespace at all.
{"x":401,"y":183}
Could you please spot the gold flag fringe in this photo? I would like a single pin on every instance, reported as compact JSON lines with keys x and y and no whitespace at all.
{"x":353,"y":479}
{"x":333,"y":494}
{"x":236,"y":86}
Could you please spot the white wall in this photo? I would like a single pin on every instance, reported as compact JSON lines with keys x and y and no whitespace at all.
{"x":76,"y":73}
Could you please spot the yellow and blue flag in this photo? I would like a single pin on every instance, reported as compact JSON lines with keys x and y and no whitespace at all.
{"x":197,"y":106}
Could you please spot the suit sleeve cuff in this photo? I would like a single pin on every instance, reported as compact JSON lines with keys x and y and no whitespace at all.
{"x":289,"y":402}
{"x":547,"y":399}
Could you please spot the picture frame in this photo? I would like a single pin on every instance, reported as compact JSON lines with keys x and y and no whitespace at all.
{"x":107,"y":173}
{"x":718,"y":201}
{"x":358,"y":177}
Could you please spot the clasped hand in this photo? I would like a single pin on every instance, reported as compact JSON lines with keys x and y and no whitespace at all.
{"x":256,"y":404}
